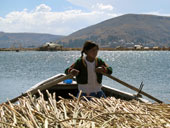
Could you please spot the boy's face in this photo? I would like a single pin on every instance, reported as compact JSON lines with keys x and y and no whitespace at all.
{"x":92,"y":53}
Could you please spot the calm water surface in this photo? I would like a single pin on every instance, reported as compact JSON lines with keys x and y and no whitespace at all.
{"x":21,"y":70}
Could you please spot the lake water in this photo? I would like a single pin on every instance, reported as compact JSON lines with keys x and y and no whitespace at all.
{"x":21,"y":70}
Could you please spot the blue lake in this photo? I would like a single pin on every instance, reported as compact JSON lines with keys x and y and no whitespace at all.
{"x":21,"y":70}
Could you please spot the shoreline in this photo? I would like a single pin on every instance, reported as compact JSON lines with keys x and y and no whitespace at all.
{"x":79,"y":49}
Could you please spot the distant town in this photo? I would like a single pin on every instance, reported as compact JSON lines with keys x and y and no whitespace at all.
{"x":52,"y":46}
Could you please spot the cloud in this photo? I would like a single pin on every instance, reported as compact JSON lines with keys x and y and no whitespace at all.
{"x":43,"y":8}
{"x":94,"y":4}
{"x":43,"y":20}
{"x":101,"y":6}
{"x":157,"y":13}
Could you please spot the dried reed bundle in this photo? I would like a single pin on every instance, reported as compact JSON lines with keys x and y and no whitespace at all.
{"x":79,"y":112}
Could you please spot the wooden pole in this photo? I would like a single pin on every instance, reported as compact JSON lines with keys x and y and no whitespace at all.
{"x":132,"y":87}
{"x":45,"y":85}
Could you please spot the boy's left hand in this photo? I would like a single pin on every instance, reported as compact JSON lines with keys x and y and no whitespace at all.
{"x":100,"y":69}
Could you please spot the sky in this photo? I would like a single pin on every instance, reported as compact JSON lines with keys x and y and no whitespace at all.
{"x":63,"y":17}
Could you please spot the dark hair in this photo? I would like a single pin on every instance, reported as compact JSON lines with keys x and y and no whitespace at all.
{"x":88,"y":45}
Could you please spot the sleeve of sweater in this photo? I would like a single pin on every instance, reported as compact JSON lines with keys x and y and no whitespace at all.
{"x":73,"y":66}
{"x":108,"y":68}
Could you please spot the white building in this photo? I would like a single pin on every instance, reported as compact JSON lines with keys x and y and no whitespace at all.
{"x":51,"y":46}
{"x":138,"y":47}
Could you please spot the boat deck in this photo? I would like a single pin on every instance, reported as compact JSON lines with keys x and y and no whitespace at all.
{"x":62,"y":89}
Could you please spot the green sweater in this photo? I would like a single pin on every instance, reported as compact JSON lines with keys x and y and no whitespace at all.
{"x":81,"y":65}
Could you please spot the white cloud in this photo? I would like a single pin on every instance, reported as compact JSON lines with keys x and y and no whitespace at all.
{"x":43,"y":8}
{"x":103,"y":7}
{"x":157,"y":13}
{"x":43,"y":20}
{"x":90,"y":4}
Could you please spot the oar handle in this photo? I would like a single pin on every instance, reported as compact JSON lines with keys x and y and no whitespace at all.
{"x":42,"y":87}
{"x":132,"y":87}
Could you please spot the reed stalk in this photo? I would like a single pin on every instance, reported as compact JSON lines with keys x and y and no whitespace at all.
{"x":31,"y":112}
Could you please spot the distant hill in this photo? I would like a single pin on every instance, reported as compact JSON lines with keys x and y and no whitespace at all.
{"x":25,"y":40}
{"x":126,"y":30}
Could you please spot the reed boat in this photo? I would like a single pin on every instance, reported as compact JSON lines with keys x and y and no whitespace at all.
{"x":63,"y":89}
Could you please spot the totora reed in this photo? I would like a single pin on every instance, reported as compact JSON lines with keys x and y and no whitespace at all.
{"x":30,"y":112}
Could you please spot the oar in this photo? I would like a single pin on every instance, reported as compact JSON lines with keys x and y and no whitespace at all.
{"x":132,"y":87}
{"x":47,"y":84}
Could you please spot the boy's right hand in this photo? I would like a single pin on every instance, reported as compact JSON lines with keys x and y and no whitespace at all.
{"x":74,"y":72}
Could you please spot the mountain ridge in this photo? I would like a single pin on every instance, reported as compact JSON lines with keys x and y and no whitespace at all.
{"x":124,"y":31}
{"x":26,"y":40}
{"x":147,"y":30}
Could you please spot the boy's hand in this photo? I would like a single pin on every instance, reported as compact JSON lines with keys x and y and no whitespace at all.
{"x":74,"y":72}
{"x":100,"y":69}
